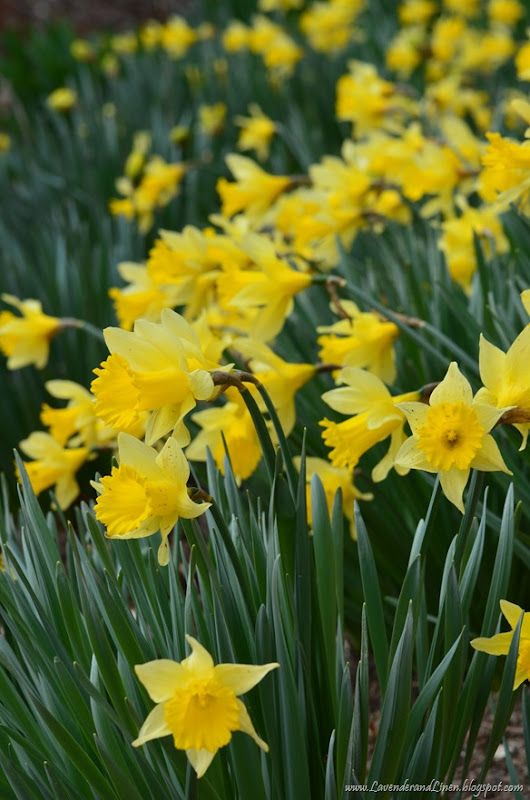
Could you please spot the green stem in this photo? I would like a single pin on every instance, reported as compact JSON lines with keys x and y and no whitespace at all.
{"x":81,"y":324}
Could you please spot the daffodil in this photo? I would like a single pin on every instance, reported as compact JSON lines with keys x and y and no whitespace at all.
{"x":499,"y":644}
{"x":26,"y":339}
{"x":197,"y":703}
{"x":253,"y":190}
{"x":146,"y":493}
{"x":270,"y":287}
{"x":62,"y":99}
{"x":233,"y":423}
{"x":256,"y":132}
{"x":374,"y":415}
{"x":363,"y":339}
{"x":450,"y":436}
{"x":159,"y":368}
{"x":280,"y":378}
{"x":333,"y":479}
{"x":53,"y":465}
{"x":78,"y":419}
{"x":505,"y":378}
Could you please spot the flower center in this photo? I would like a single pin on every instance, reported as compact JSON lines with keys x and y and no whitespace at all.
{"x":202,"y":715}
{"x":451,"y":436}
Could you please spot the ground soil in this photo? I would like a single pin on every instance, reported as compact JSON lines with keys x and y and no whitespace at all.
{"x":85,"y":15}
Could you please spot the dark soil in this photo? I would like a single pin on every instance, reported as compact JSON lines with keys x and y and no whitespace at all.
{"x":87,"y":16}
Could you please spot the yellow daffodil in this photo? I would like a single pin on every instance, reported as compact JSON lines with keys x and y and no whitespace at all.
{"x":77,"y":419}
{"x":62,"y":99}
{"x":280,"y":378}
{"x":157,"y":367}
{"x":374,"y":415}
{"x":26,"y":339}
{"x":142,"y":298}
{"x":363,"y":339}
{"x":270,"y":288}
{"x":256,"y":132}
{"x":53,"y":465}
{"x":253,"y":190}
{"x":212,"y":118}
{"x":505,"y":377}
{"x":329,"y":26}
{"x":146,"y":493}
{"x":176,"y":37}
{"x":458,"y":244}
{"x":333,"y":479}
{"x":233,"y":422}
{"x":499,"y":644}
{"x":5,"y":142}
{"x":450,"y":436}
{"x":197,"y":703}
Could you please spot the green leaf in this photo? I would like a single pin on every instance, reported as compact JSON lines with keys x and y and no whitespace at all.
{"x":374,"y":603}
{"x":394,"y":713}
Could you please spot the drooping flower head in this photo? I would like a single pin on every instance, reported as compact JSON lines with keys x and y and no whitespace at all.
{"x":53,"y":465}
{"x":197,"y":703}
{"x":374,"y":415}
{"x":26,"y":339}
{"x":450,"y":436}
{"x":146,"y":493}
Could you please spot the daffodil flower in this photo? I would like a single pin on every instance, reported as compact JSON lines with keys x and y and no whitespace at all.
{"x":499,"y":644}
{"x":450,"y":436}
{"x":505,"y":376}
{"x":26,"y":339}
{"x":197,"y":703}
{"x":54,"y":465}
{"x":146,"y":493}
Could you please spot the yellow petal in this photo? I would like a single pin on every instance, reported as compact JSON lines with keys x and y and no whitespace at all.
{"x":497,"y":645}
{"x":491,"y":363}
{"x":245,"y":725}
{"x":200,"y":760}
{"x":453,"y":389}
{"x":160,"y":678}
{"x":411,"y":457}
{"x":154,"y":726}
{"x":200,"y":660}
{"x":242,"y":677}
{"x":453,"y":482}
{"x":488,"y":458}
{"x":415,"y":414}
{"x":511,"y":612}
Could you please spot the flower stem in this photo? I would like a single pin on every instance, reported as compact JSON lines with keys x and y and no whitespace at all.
{"x":81,"y":324}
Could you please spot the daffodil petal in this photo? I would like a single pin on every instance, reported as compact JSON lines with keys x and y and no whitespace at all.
{"x":245,"y":725}
{"x":200,"y":760}
{"x":160,"y":678}
{"x":242,"y":677}
{"x":497,"y":645}
{"x":410,"y":456}
{"x":415,"y":414}
{"x":453,"y":389}
{"x":453,"y":482}
{"x":488,"y":458}
{"x":491,"y":363}
{"x":200,"y":660}
{"x":511,"y":612}
{"x":154,"y":726}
